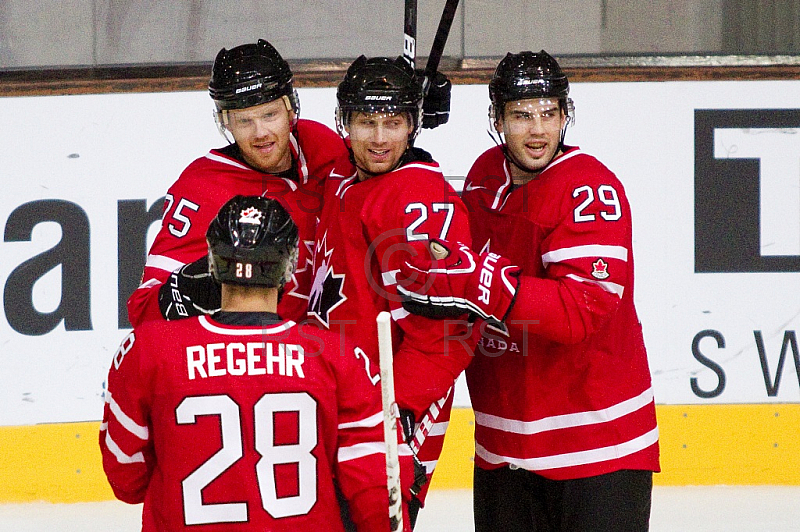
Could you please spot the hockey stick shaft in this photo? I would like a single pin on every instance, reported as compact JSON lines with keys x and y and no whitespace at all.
{"x":440,"y":40}
{"x":384,"y":322}
{"x":410,"y":32}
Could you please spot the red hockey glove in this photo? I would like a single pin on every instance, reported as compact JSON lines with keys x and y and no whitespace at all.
{"x":189,"y":291}
{"x":446,"y":279}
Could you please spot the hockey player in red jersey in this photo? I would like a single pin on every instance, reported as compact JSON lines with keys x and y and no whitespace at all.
{"x":271,"y":152}
{"x":242,"y":420}
{"x":386,"y":194}
{"x":565,"y":427}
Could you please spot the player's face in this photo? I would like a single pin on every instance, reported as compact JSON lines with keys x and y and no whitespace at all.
{"x":378,"y":140}
{"x":532,"y":131}
{"x":262,"y":133}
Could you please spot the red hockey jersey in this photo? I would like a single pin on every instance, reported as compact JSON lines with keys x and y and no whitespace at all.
{"x":235,"y":428}
{"x":568,"y":393}
{"x":210,"y":181}
{"x":359,"y":248}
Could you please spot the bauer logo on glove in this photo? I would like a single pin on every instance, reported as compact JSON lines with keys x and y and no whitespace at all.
{"x":443,"y":279}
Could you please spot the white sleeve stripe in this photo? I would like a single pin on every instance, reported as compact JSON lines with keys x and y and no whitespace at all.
{"x":150,"y":283}
{"x":403,"y":449}
{"x":577,"y":458}
{"x":399,"y":313}
{"x":141,"y":432}
{"x":610,"y":287}
{"x":439,"y":429}
{"x":162,"y":263}
{"x":371,"y":421}
{"x":429,"y":466}
{"x":565,"y":421}
{"x":390,"y":278}
{"x":360,"y":450}
{"x":121,"y":457}
{"x":587,"y":251}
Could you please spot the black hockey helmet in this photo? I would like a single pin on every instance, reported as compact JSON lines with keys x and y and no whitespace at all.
{"x":380,"y":85}
{"x":253,"y":241}
{"x":249,"y":75}
{"x":528,"y":75}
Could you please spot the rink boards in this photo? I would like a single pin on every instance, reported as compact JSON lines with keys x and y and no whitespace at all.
{"x":711,"y":169}
{"x":700,"y":445}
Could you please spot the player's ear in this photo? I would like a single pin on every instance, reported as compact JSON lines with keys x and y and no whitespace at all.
{"x":498,"y":124}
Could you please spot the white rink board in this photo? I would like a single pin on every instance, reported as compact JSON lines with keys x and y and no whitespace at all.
{"x":96,"y":150}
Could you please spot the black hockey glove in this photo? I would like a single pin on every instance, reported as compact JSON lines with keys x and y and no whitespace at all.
{"x":436,"y":105}
{"x":189,"y":291}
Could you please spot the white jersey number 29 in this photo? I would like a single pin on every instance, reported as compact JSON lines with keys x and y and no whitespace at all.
{"x":198,"y":513}
{"x":606,"y":195}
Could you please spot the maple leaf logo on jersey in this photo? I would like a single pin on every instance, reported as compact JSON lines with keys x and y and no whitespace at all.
{"x":251,"y":215}
{"x":600,"y":269}
{"x":326,"y":292}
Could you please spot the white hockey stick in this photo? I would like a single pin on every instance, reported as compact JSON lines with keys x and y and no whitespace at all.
{"x":390,"y":415}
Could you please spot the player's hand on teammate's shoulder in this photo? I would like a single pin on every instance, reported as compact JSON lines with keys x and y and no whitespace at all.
{"x":189,"y":291}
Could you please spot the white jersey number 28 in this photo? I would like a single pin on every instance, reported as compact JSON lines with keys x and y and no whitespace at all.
{"x":198,"y":513}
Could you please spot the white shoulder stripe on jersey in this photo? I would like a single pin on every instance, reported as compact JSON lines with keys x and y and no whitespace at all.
{"x":301,"y":158}
{"x":371,"y":421}
{"x":225,"y":160}
{"x":140,"y":431}
{"x":421,"y":166}
{"x":565,"y":421}
{"x":584,"y":252}
{"x":613,"y":288}
{"x":162,"y":263}
{"x":501,"y":192}
{"x":121,"y":457}
{"x":563,"y":158}
{"x":276,"y":329}
{"x":344,"y":185}
{"x":591,"y":456}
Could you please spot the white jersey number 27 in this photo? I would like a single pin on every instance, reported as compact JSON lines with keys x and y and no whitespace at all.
{"x":422,"y":209}
{"x":198,"y":513}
